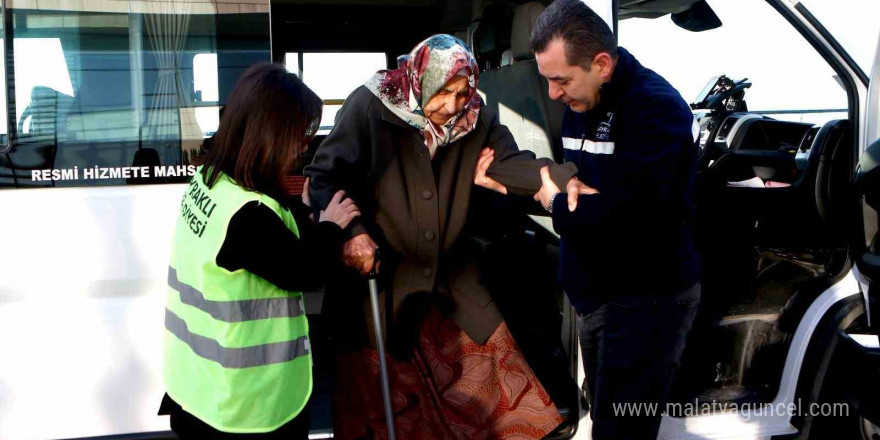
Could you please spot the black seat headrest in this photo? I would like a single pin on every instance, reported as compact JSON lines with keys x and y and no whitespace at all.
{"x":492,"y":36}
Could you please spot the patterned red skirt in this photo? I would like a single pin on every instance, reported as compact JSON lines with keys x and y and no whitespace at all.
{"x":453,"y":389}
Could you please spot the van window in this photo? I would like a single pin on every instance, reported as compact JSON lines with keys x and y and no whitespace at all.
{"x":789,"y":79}
{"x":113,"y":98}
{"x":334,"y":75}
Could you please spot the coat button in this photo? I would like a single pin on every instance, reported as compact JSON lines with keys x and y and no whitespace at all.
{"x":427,"y":272}
{"x":429,"y":235}
{"x":427,"y":194}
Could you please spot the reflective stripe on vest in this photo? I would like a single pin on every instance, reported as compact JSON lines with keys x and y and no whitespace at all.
{"x":237,"y":311}
{"x":244,"y":357}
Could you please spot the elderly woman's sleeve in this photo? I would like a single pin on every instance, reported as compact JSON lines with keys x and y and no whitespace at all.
{"x":342,"y":160}
{"x":518,"y":170}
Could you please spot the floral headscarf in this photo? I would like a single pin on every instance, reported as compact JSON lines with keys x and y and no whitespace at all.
{"x":407,"y":89}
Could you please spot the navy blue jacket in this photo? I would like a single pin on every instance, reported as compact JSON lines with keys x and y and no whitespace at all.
{"x":638,"y":148}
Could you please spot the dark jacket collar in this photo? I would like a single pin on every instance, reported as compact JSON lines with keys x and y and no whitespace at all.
{"x":626,"y":64}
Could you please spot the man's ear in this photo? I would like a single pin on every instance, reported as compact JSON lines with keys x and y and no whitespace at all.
{"x":603,"y":65}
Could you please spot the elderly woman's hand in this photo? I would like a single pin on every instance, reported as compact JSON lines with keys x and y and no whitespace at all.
{"x":340,"y":210}
{"x":360,"y":253}
{"x":487,"y":155}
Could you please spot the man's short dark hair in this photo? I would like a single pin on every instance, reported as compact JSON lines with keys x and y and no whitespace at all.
{"x":584,"y":32}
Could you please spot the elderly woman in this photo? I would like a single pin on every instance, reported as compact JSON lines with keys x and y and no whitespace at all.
{"x":409,"y":147}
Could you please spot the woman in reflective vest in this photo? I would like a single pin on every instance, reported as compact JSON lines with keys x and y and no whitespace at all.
{"x":237,"y":354}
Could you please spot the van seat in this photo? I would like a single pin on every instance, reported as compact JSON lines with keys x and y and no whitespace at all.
{"x":519,"y":93}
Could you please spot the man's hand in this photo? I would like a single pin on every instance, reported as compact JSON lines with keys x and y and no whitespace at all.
{"x":487,"y":155}
{"x":359,"y":252}
{"x":575,"y":188}
{"x":548,"y":189}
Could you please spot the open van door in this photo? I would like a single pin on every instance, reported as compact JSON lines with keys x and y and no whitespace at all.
{"x":863,"y":348}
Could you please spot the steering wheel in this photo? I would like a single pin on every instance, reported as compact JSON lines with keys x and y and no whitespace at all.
{"x":722,"y":97}
{"x":711,"y":151}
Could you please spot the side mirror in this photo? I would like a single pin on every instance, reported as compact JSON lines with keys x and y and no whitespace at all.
{"x":698,"y":18}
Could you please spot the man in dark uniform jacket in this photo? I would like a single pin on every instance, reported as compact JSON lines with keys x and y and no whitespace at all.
{"x":628,"y":261}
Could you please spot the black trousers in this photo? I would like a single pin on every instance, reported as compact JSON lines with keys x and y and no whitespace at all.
{"x":188,"y":426}
{"x":632,"y":346}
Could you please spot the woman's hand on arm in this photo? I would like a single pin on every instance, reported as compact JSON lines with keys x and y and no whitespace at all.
{"x":487,"y":155}
{"x":341,"y":210}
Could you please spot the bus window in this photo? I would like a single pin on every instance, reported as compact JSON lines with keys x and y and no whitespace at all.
{"x":206,"y":93}
{"x":110,"y":96}
{"x":334,"y":75}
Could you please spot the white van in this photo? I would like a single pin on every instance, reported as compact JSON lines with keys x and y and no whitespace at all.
{"x":107,"y":102}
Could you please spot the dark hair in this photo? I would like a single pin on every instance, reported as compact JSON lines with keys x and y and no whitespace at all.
{"x":584,"y":33}
{"x":268,"y":118}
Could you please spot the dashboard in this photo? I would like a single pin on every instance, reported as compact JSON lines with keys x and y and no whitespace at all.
{"x":757,"y":151}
